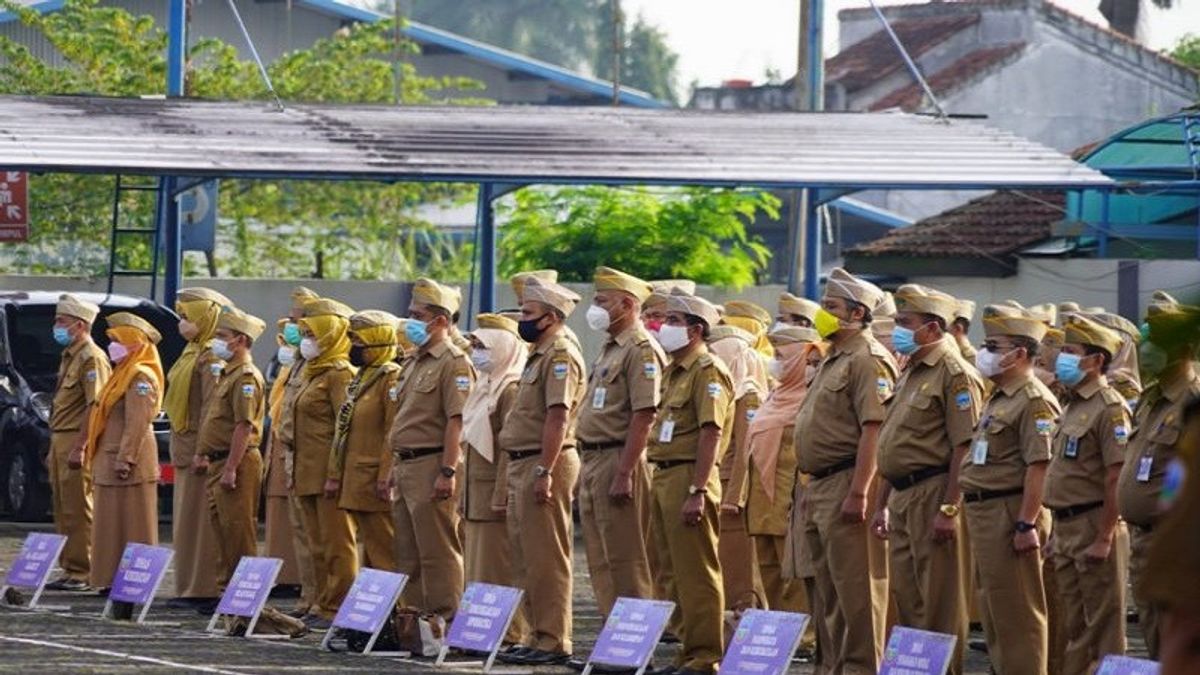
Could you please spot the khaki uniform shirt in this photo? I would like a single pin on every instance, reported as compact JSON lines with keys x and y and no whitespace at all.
{"x":850,"y":389}
{"x":968,"y":351}
{"x":734,"y":464}
{"x":432,"y":390}
{"x":1157,"y":427}
{"x":554,"y":375}
{"x":625,"y":378}
{"x":129,"y":436}
{"x":934,"y":410}
{"x":314,"y":419}
{"x":81,"y":375}
{"x":239,"y":397}
{"x":1092,"y":436}
{"x":697,"y":390}
{"x":367,"y":460}
{"x":205,"y":375}
{"x":1015,"y":431}
{"x":486,"y":489}
{"x":278,"y":465}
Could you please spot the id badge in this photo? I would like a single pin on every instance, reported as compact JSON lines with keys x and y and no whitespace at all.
{"x":598,"y":397}
{"x":667,"y":431}
{"x":1145,"y":463}
{"x":979,"y":452}
{"x":1071,"y":451}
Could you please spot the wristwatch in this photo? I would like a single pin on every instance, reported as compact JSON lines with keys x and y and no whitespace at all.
{"x":541,"y":471}
{"x":949,"y":510}
{"x":448,"y":471}
{"x":1024,"y":527}
{"x":693,"y":490}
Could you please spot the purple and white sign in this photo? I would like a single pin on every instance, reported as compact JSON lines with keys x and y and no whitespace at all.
{"x":764,"y":642}
{"x":631,"y":632}
{"x":248,"y":589}
{"x":138,"y":574}
{"x":368,"y":604}
{"x":1127,"y":665}
{"x":483,"y":617}
{"x":917,"y":652}
{"x":34,"y":563}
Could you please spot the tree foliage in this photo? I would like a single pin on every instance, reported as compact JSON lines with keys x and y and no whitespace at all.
{"x":1187,"y":51}
{"x":693,"y":233}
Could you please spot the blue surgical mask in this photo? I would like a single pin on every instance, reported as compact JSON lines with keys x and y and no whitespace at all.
{"x":417,"y":332}
{"x":62,"y":336}
{"x":904,"y":340}
{"x":1067,"y":370}
{"x":291,"y":334}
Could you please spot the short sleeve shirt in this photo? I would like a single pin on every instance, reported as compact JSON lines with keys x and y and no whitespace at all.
{"x":1015,"y":430}
{"x":625,"y":378}
{"x":553,"y":376}
{"x":1158,"y":424}
{"x":432,"y":390}
{"x":697,"y":391}
{"x":1091,"y":436}
{"x":239,"y":397}
{"x":81,"y":375}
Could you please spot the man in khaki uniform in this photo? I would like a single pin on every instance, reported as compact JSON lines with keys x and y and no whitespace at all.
{"x":426,"y":442}
{"x":686,"y":443}
{"x":922,"y":443}
{"x":546,"y":276}
{"x":1090,"y":546}
{"x":614,"y":427}
{"x":1001,"y":479}
{"x":796,"y":311}
{"x":654,"y":308}
{"x":230,"y":436}
{"x":81,"y":375}
{"x":539,"y":435}
{"x":1158,"y":425}
{"x":837,"y":431}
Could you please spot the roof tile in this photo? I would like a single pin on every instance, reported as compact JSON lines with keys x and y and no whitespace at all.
{"x":875,"y":57}
{"x":946,"y":80}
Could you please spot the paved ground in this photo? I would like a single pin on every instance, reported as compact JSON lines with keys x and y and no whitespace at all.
{"x":76,"y":640}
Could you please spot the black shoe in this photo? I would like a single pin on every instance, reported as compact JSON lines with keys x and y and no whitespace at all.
{"x":515,"y":654}
{"x":205,"y":606}
{"x":661,"y":670}
{"x":316,"y":623}
{"x":689,"y":671}
{"x":577,"y":664}
{"x":285,"y":591}
{"x":544,"y":658}
{"x":69,"y":584}
{"x":978,"y":645}
{"x":298,"y":613}
{"x":103,"y":592}
{"x":668,"y":639}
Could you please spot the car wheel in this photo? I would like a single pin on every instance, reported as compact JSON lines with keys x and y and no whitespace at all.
{"x":27,"y":497}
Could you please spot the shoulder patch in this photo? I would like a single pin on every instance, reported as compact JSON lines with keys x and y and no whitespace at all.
{"x":394,"y":392}
{"x":90,"y":376}
{"x":962,"y":400}
{"x":1044,"y":424}
{"x":216,"y":368}
{"x":248,"y":390}
{"x":462,"y":382}
{"x":650,"y":368}
{"x":883,"y":387}
{"x":142,"y":388}
{"x":560,"y":368}
{"x":714,"y":390}
{"x":1121,"y":432}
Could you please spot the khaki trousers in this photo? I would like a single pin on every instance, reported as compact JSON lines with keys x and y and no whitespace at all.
{"x":194,"y":537}
{"x":427,"y":547}
{"x":541,"y":546}
{"x":743,"y":584}
{"x":853,"y":594}
{"x":1149,"y":616}
{"x":334,"y":553}
{"x":615,"y":536}
{"x":488,"y":560}
{"x":234,"y":513}
{"x":1091,"y":596}
{"x":690,"y":554}
{"x":927,"y":579}
{"x":305,"y":565}
{"x":376,"y":532}
{"x":123,"y":514}
{"x":1012,"y":601}
{"x":784,"y":595}
{"x":279,"y":540}
{"x":71,"y":492}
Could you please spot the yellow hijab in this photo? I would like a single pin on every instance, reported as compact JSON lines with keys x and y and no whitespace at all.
{"x":204,"y":314}
{"x":754,"y":327}
{"x":142,"y":359}
{"x":332,"y":333}
{"x":382,"y":345}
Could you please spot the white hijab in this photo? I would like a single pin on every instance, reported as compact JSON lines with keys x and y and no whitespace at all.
{"x":508,"y":360}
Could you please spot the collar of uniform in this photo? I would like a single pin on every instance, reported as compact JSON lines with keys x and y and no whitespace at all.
{"x":438,"y":349}
{"x":626,"y":336}
{"x":72,"y":349}
{"x":852,"y":343}
{"x":940,"y":348}
{"x":1092,"y":388}
{"x":238,"y":360}
{"x":1018,"y":384}
{"x":689,"y":360}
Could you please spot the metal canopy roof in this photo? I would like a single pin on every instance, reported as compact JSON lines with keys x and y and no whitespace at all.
{"x":522,"y":145}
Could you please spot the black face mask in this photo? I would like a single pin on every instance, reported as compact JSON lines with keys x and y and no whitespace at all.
{"x":528,"y":329}
{"x":358,"y":357}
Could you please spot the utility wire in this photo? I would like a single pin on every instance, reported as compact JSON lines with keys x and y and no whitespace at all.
{"x":262,"y":70}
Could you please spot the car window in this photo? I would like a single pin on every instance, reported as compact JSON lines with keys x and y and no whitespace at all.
{"x":31,"y":339}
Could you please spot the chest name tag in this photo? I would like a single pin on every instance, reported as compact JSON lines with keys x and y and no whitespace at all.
{"x":979,"y":450}
{"x":667,"y":431}
{"x":598,"y":398}
{"x":1145,"y":463}
{"x":1071,"y":451}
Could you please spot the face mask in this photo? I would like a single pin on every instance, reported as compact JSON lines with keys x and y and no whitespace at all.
{"x":673,"y":338}
{"x":117,"y":352}
{"x":309,"y":349}
{"x":482,"y":359}
{"x":286,"y":355}
{"x":1152,"y":359}
{"x":188,"y":330}
{"x":598,"y":318}
{"x":417,"y":332}
{"x":904,"y":340}
{"x":826,"y":323}
{"x":62,"y":336}
{"x":779,"y":325}
{"x":775,"y":368}
{"x":988,"y":363}
{"x":220,"y":349}
{"x":357,"y":356}
{"x":1067,"y":370}
{"x":528,"y":329}
{"x":291,"y":334}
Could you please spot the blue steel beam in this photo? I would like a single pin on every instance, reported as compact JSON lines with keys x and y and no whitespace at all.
{"x":168,"y":225}
{"x":487,"y":245}
{"x":812,"y":251}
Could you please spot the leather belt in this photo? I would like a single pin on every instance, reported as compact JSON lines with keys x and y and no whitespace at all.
{"x":671,"y":463}
{"x":514,"y":455}
{"x":905,"y":482}
{"x":1077,"y":510}
{"x":217,"y":456}
{"x":415,"y":453}
{"x":606,"y":445}
{"x":844,"y":465}
{"x":986,"y":495}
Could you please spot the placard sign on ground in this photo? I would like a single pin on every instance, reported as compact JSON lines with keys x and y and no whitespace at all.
{"x":247,"y":592}
{"x":138,"y":576}
{"x":483,"y":617}
{"x":32,"y":566}
{"x":368,"y":603}
{"x":1127,"y":665}
{"x":764,"y":642}
{"x":630,"y":634}
{"x":917,"y":652}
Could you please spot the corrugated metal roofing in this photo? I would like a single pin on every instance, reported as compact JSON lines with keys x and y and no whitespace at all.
{"x":522,"y":144}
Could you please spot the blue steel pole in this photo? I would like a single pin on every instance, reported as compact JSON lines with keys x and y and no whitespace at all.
{"x":816,"y":63}
{"x":1102,"y":239}
{"x":812,"y":246}
{"x":487,"y":246}
{"x":169,"y":226}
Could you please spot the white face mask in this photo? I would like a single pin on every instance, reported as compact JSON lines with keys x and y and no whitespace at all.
{"x":775,"y":368}
{"x":598,"y":318}
{"x":988,"y":363}
{"x":482,"y":358}
{"x":286,"y":355}
{"x":673,"y":338}
{"x":779,"y":325}
{"x":220,"y":349}
{"x":309,"y":349}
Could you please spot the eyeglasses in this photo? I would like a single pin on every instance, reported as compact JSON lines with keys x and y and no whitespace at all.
{"x":995,"y":347}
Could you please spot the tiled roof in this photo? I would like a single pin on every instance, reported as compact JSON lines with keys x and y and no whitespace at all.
{"x":951,"y":77}
{"x":997,"y":224}
{"x":871,"y":59}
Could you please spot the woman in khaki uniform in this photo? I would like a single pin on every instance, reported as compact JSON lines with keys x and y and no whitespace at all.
{"x":499,"y":357}
{"x":121,"y":447}
{"x":280,"y":542}
{"x":360,"y":466}
{"x":190,"y":384}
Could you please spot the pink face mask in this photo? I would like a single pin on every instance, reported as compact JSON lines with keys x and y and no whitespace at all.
{"x":117,"y":352}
